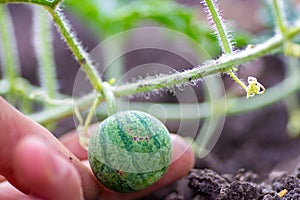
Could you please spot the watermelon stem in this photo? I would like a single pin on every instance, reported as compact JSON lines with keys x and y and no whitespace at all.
{"x":84,"y":134}
{"x":83,"y":127}
{"x":110,"y":98}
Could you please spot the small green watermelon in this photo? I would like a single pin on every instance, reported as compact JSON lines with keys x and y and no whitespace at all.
{"x":130,"y":151}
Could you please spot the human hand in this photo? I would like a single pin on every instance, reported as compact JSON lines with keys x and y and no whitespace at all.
{"x":37,"y":165}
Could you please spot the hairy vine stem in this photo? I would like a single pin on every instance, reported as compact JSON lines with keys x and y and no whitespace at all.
{"x":47,"y":3}
{"x":220,"y":27}
{"x":224,"y":38}
{"x":233,"y":105}
{"x":10,"y":57}
{"x":80,"y":54}
{"x":280,"y":17}
{"x":43,"y":48}
{"x":221,"y":65}
{"x":290,"y":48}
{"x":10,"y":62}
{"x":216,"y":66}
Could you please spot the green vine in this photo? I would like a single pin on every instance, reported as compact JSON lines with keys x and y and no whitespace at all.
{"x":80,"y":54}
{"x":224,"y":37}
{"x":10,"y":61}
{"x":280,"y":17}
{"x":292,"y":50}
{"x":221,"y":65}
{"x":47,"y":3}
{"x":254,"y":87}
{"x":15,"y":88}
{"x":43,"y":49}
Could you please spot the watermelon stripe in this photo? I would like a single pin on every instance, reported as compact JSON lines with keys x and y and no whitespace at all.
{"x":103,"y":144}
{"x":139,"y":169}
{"x":157,"y":144}
{"x":124,"y":164}
{"x":137,"y":166}
{"x":121,"y":134}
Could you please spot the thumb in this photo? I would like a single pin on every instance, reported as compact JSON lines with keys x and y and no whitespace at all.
{"x":43,"y":173}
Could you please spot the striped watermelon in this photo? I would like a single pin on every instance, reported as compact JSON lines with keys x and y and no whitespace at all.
{"x":130,"y":151}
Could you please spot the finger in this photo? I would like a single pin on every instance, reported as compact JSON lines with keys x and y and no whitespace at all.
{"x":71,"y":142}
{"x":183,"y":160}
{"x":8,"y":192}
{"x":43,"y":173}
{"x":14,"y":127}
{"x":2,"y":178}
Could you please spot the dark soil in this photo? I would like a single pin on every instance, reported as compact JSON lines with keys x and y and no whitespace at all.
{"x":207,"y":184}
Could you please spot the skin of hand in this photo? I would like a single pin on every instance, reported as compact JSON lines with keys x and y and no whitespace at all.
{"x":36,"y":165}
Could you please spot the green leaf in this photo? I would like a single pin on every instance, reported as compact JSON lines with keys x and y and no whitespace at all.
{"x":106,"y":19}
{"x":133,"y":14}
